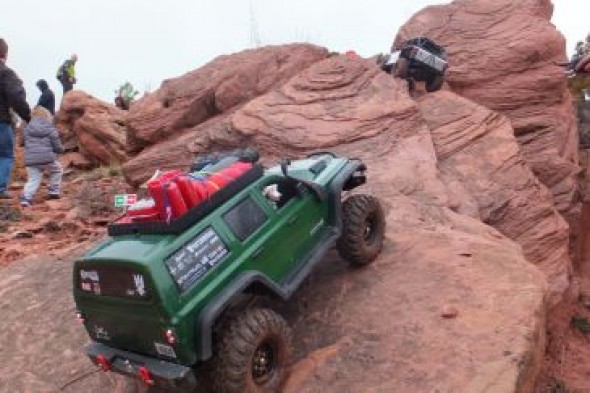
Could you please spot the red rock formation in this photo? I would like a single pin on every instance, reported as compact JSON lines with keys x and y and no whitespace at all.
{"x":184,"y":102}
{"x":349,"y":106}
{"x":179,"y":152}
{"x":440,"y":165}
{"x":364,"y":324}
{"x":434,"y":259}
{"x":92,"y":127}
{"x":425,"y":158}
{"x":502,"y":55}
{"x":479,"y":157}
{"x":391,"y":315}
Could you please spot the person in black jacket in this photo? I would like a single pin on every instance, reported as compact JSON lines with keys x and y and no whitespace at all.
{"x":12,"y":96}
{"x":47,"y":99}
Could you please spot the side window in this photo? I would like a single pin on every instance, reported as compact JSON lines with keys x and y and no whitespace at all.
{"x":280,"y":192}
{"x":245,"y":218}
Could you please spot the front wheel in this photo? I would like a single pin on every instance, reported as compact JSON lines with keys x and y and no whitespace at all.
{"x":401,"y":68}
{"x":253,"y":353}
{"x":363,"y":230}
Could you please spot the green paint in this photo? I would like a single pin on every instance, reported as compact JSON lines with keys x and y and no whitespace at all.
{"x":277,"y":250}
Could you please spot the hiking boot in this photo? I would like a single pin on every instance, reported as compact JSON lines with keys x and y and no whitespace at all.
{"x":5,"y":195}
{"x":53,"y":192}
{"x":24,"y":202}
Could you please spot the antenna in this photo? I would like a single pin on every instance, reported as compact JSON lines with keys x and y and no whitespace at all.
{"x":254,"y":35}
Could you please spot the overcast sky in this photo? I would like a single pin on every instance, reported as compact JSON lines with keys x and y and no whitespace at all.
{"x":147,"y":41}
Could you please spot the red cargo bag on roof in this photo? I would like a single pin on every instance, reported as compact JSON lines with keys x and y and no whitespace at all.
{"x":167,"y":196}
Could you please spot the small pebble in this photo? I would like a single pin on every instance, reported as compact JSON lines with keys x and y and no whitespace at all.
{"x":449,"y":312}
{"x":22,"y":235}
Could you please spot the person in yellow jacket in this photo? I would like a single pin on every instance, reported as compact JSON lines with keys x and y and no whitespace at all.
{"x":66,"y":73}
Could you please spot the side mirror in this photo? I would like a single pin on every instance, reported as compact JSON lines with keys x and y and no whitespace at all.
{"x":318,"y":190}
{"x":285,"y":162}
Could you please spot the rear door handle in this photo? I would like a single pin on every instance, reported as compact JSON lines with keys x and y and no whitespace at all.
{"x":257,"y":252}
{"x":292,"y":220}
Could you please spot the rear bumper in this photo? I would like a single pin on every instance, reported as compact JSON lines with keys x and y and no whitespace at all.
{"x":164,"y":374}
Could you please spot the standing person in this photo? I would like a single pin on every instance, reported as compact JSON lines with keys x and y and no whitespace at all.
{"x":66,"y":73}
{"x":42,"y":145}
{"x":12,"y":96}
{"x":47,"y":99}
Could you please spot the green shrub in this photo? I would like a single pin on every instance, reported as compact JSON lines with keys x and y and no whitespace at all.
{"x":8,"y":214}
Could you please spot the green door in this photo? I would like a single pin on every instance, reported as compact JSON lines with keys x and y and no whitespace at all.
{"x":276,"y":236}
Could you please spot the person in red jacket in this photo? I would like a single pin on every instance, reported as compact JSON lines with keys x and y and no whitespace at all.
{"x":12,"y":96}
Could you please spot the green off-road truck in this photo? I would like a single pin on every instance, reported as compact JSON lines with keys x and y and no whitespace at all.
{"x":174,"y":303}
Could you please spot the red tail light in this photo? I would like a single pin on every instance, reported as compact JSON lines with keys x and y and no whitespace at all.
{"x":104,"y":363}
{"x":145,"y":375}
{"x":80,"y":317}
{"x":170,"y":337}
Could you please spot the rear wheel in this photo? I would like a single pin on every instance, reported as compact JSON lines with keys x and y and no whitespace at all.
{"x":434,"y":83}
{"x":253,"y":353}
{"x":363,"y":230}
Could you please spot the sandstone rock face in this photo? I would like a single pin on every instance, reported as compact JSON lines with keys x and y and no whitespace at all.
{"x":502,"y":55}
{"x":383,"y":328}
{"x":380,"y":329}
{"x":349,"y":106}
{"x":478,"y":156}
{"x":93,"y":128}
{"x":433,"y":259}
{"x":184,"y":102}
{"x":179,"y":152}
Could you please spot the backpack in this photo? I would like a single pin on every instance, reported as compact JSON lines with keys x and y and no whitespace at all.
{"x":62,"y":72}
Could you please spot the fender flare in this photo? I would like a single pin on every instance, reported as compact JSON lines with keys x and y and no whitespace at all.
{"x":209,"y":315}
{"x":338,"y":185}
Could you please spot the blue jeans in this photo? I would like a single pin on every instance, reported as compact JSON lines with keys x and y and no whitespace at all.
{"x":6,"y":155}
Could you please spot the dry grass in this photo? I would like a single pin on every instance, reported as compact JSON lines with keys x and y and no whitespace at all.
{"x":95,"y":200}
{"x":103,"y":172}
{"x":8,"y":215}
